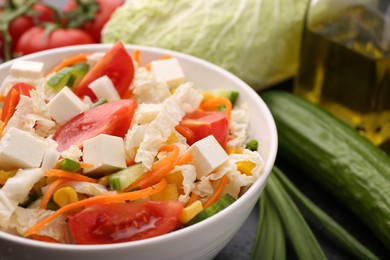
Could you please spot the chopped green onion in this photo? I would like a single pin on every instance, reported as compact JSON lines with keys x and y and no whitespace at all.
{"x":252,"y":145}
{"x":99,"y":102}
{"x":332,"y":228}
{"x":69,"y":165}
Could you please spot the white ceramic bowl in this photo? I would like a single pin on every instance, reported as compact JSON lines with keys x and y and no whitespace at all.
{"x":200,"y":241}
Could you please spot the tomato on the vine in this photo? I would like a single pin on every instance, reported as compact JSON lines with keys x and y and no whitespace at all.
{"x":121,"y":222}
{"x":38,"y":39}
{"x":103,"y":14}
{"x":17,"y":26}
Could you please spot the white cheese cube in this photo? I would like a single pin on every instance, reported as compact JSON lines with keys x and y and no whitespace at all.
{"x":207,"y":155}
{"x":105,"y":152}
{"x":27,"y":69}
{"x":168,"y":70}
{"x":104,"y":88}
{"x":20,"y":149}
{"x":65,"y":105}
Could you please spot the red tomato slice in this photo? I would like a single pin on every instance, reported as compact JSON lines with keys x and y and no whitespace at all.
{"x":116,"y":64}
{"x":122,"y":222}
{"x":200,"y":124}
{"x":12,"y":99}
{"x":112,"y":118}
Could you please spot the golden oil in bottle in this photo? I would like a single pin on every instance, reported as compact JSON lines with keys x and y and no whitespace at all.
{"x":345,"y":67}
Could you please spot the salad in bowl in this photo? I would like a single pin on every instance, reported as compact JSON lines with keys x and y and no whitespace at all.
{"x":102,"y":146}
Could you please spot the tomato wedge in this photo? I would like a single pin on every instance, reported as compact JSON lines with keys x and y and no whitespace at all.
{"x":112,"y":118}
{"x":12,"y":99}
{"x":121,"y":222}
{"x":116,"y":64}
{"x":200,"y":124}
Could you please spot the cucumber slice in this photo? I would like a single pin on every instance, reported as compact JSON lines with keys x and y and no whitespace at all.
{"x":216,"y":207}
{"x":68,"y":76}
{"x":124,"y":178}
{"x":232,"y":95}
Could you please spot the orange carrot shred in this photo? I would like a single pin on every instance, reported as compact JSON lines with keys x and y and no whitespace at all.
{"x":69,"y":175}
{"x":85,"y":165}
{"x":50,"y":191}
{"x":14,"y":99}
{"x":81,"y":57}
{"x":194,"y":197}
{"x":105,"y":198}
{"x":215,"y":103}
{"x":2,"y":98}
{"x":217,"y":192}
{"x":137,"y":56}
{"x":160,"y":168}
{"x":43,"y":238}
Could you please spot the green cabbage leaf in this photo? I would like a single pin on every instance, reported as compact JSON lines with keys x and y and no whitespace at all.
{"x":257,"y":40}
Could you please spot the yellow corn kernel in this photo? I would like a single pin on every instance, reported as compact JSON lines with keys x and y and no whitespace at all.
{"x":172,"y":138}
{"x":207,"y":95}
{"x":5,"y":175}
{"x":65,"y":196}
{"x":170,"y":192}
{"x":175,"y":177}
{"x":231,"y":150}
{"x":191,"y":211}
{"x":246,"y":167}
{"x":104,"y":180}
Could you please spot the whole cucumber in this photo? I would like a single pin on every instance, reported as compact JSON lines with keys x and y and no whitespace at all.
{"x":336,"y":156}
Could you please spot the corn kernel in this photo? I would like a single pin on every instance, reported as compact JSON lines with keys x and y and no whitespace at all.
{"x":175,"y":177}
{"x":245,"y":167}
{"x":65,"y":196}
{"x":170,"y":192}
{"x":191,"y":211}
{"x":5,"y":175}
{"x":231,"y":150}
{"x":172,"y":138}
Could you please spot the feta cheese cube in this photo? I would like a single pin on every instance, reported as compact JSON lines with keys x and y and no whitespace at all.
{"x":168,"y":70}
{"x":65,"y":105}
{"x":207,"y":155}
{"x":104,"y":88}
{"x":20,"y":149}
{"x":105,"y":152}
{"x":27,"y":69}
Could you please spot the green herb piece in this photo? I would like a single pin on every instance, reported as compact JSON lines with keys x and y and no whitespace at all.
{"x":99,"y":102}
{"x":69,"y":165}
{"x":252,"y":145}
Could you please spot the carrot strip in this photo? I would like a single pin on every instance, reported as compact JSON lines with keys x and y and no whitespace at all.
{"x":217,"y":192}
{"x":70,"y":61}
{"x":69,"y":175}
{"x":106,"y":198}
{"x":44,"y":238}
{"x":85,"y":165}
{"x":215,"y":103}
{"x":184,"y":158}
{"x":2,"y":98}
{"x":160,"y":168}
{"x":50,"y":191}
{"x":14,"y":99}
{"x":137,"y":56}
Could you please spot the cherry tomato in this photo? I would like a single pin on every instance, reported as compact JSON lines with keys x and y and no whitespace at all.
{"x":112,"y":118}
{"x":94,"y":27}
{"x":116,"y":64}
{"x":121,"y":222}
{"x":37,"y":39}
{"x":200,"y":124}
{"x":41,"y":12}
{"x":12,"y":99}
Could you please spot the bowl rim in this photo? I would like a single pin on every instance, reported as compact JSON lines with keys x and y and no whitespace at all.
{"x":250,"y":192}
